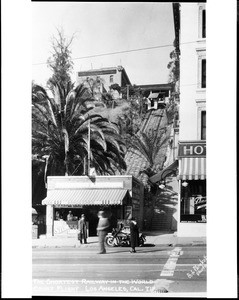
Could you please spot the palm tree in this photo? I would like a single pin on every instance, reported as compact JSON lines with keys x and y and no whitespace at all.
{"x":60,"y":132}
{"x":149,"y":145}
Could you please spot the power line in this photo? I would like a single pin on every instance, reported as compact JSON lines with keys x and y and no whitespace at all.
{"x":119,"y":52}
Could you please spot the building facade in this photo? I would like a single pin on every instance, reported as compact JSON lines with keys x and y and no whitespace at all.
{"x":192,"y":115}
{"x":121,"y":196}
{"x":102,"y":79}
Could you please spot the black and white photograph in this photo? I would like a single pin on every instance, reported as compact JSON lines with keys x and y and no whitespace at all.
{"x":119,"y":188}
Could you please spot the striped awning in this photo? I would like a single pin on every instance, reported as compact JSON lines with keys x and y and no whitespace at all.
{"x":85,"y":197}
{"x":192,"y":168}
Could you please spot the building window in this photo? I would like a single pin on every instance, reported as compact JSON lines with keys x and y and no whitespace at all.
{"x":203,"y":23}
{"x":194,"y":202}
{"x":111,"y":78}
{"x":203,"y":74}
{"x":203,"y":125}
{"x":201,"y":70}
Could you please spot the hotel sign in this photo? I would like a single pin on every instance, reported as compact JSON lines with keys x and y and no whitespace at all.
{"x":192,"y":149}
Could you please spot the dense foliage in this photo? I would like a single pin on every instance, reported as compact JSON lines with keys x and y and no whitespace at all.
{"x":60,"y":132}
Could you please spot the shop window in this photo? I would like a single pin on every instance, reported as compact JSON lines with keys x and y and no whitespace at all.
{"x":193,"y":202}
{"x":203,"y":125}
{"x":203,"y":23}
{"x":203,"y":74}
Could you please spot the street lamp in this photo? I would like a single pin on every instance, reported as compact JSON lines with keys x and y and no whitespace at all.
{"x":185,"y":184}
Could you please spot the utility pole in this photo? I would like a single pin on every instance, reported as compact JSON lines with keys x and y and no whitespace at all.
{"x":127,"y":91}
{"x":127,"y":86}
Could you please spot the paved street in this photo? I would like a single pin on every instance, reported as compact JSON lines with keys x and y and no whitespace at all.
{"x":80,"y":271}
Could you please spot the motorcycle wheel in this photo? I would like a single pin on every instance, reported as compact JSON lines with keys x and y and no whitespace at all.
{"x":110,"y":241}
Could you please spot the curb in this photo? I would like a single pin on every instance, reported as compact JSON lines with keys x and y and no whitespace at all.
{"x":96,"y":246}
{"x":191,"y":245}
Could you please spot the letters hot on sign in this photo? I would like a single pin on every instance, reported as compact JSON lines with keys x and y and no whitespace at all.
{"x":192,"y":149}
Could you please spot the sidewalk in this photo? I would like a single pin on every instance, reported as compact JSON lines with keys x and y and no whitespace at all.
{"x":152,"y":237}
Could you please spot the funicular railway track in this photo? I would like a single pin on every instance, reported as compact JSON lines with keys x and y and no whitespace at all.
{"x":152,"y":118}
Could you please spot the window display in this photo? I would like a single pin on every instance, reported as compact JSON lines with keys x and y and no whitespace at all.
{"x":193,"y":201}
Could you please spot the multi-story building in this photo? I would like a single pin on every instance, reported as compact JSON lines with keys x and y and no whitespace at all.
{"x":187,"y":154}
{"x":102,"y":79}
{"x":192,"y":116}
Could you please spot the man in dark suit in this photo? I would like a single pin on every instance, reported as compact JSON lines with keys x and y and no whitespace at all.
{"x":134,"y":234}
{"x":82,"y":228}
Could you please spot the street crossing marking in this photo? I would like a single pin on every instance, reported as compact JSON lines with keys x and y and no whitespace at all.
{"x":169,"y":267}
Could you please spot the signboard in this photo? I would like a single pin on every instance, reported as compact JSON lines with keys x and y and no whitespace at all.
{"x":128,"y":212}
{"x":84,"y":185}
{"x":197,"y":210}
{"x":192,"y":149}
{"x":136,"y":195}
{"x":200,"y":202}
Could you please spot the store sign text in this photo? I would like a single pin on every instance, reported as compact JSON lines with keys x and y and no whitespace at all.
{"x":200,"y":200}
{"x":192,"y":149}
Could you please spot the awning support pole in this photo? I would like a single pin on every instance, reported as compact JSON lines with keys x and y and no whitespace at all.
{"x":49,"y":221}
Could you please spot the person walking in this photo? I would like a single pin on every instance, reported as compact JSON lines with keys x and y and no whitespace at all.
{"x":134,"y":235}
{"x":102,"y":229}
{"x":82,"y":228}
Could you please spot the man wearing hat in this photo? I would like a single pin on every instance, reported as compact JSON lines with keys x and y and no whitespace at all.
{"x":82,"y":228}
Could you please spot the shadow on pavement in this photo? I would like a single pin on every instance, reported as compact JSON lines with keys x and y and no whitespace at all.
{"x":157,"y":233}
{"x":156,"y":250}
{"x":137,"y":251}
{"x":148,"y":245}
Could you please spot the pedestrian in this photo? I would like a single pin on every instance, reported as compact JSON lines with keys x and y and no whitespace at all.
{"x":134,"y":235}
{"x":82,"y":229}
{"x":102,"y":229}
{"x":69,"y":216}
{"x":57,"y":215}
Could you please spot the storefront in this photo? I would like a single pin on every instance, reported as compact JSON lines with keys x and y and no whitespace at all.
{"x":121,"y":196}
{"x":192,"y":188}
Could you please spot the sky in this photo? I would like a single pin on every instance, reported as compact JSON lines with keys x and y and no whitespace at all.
{"x":106,"y":27}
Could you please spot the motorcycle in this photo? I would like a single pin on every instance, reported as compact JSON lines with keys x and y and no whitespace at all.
{"x":120,"y":238}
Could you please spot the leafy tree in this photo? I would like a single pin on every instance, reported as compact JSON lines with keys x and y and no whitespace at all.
{"x":174,"y":75}
{"x":60,"y":132}
{"x":38,"y":180}
{"x":116,"y":87}
{"x":173,"y":66}
{"x":130,"y":120}
{"x":60,"y":62}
